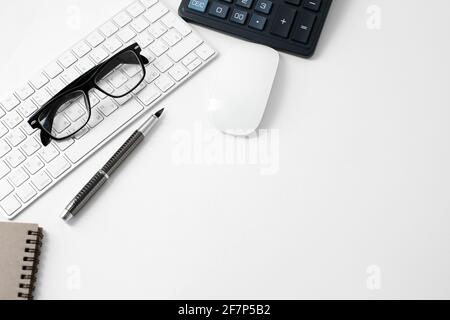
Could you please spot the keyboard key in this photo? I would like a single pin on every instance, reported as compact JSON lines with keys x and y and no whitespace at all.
{"x":164,"y":83}
{"x":58,"y":166}
{"x":64,"y":144}
{"x":53,"y":70}
{"x":48,"y":153}
{"x":158,"y":47}
{"x":149,"y":3}
{"x":10,"y":103}
{"x":172,"y":37}
{"x":182,"y":27}
{"x":95,"y":118}
{"x":15,"y":157}
{"x":149,"y":94}
{"x":136,"y":9}
{"x":108,"y":29}
{"x":88,"y":142}
{"x":263,"y":6}
{"x":244,"y":3}
{"x":70,"y":75}
{"x":84,"y":65}
{"x":107,"y":107}
{"x":122,"y":19}
{"x":26,"y":192}
{"x":3,"y":130}
{"x":163,"y":63}
{"x":155,"y":12}
{"x":219,"y":10}
{"x":12,"y":119}
{"x":33,"y":165}
{"x":15,"y":137}
{"x":204,"y":51}
{"x":194,"y":64}
{"x":99,"y":54}
{"x":25,"y":91}
{"x":198,"y":5}
{"x":282,"y":21}
{"x":257,"y":22}
{"x":189,"y":59}
{"x":18,"y":177}
{"x":144,"y":39}
{"x":81,"y":49}
{"x":5,"y":189}
{"x":140,"y":24}
{"x":313,"y":5}
{"x":126,"y":34}
{"x":4,"y":169}
{"x":303,"y":28}
{"x":26,"y":108}
{"x":41,"y":180}
{"x":39,"y":81}
{"x":113,"y":44}
{"x":185,"y":46}
{"x":151,"y":74}
{"x":30,"y":146}
{"x":10,"y":205}
{"x":238,"y":16}
{"x":157,"y":29}
{"x":4,"y":148}
{"x":95,"y":38}
{"x":41,"y":97}
{"x":178,"y":72}
{"x":67,"y":59}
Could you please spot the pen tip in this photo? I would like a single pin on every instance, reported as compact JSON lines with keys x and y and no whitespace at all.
{"x":159,"y":113}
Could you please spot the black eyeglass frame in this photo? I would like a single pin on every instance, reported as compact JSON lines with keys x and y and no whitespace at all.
{"x":84,"y":83}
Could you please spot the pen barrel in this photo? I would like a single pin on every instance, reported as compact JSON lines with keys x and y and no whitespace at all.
{"x":91,"y":188}
{"x":116,"y":160}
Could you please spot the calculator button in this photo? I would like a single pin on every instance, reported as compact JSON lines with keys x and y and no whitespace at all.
{"x":304,"y":25}
{"x":263,"y":6}
{"x":294,"y":2}
{"x":218,"y":10}
{"x":312,"y":5}
{"x":257,"y":22}
{"x":244,"y":3}
{"x":198,"y":5}
{"x":282,"y":21}
{"x":238,"y":16}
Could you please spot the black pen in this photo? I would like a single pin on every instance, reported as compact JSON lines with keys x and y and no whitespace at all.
{"x":108,"y":169}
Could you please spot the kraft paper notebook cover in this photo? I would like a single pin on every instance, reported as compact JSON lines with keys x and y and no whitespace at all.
{"x":20,"y":245}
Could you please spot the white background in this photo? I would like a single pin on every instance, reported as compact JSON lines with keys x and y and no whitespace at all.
{"x":361,"y":193}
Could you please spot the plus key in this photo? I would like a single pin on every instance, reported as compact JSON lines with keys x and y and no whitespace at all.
{"x":283,"y":21}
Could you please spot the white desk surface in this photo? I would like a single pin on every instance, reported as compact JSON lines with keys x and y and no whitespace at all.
{"x":358,"y":206}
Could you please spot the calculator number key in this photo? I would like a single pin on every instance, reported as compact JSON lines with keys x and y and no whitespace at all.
{"x":244,"y":3}
{"x":238,"y":16}
{"x":218,"y":10}
{"x":263,"y":6}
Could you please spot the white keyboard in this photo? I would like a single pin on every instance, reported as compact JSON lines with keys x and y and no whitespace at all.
{"x":175,"y":52}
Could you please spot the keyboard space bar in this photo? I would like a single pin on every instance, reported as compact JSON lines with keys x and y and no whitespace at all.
{"x":103,"y":130}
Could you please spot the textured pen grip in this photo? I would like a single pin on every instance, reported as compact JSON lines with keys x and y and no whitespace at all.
{"x":87,"y":192}
{"x":123,"y":152}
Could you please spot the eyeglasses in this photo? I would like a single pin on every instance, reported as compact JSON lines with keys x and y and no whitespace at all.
{"x":69,"y":111}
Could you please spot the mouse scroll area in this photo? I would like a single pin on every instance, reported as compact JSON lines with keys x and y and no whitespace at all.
{"x":242,"y":88}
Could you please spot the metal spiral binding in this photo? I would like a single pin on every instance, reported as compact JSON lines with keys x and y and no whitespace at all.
{"x":31,"y":278}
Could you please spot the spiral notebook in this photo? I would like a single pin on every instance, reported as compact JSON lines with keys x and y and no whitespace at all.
{"x":20,"y":245}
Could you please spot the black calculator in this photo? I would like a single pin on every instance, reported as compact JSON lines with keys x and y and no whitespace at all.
{"x":292,"y":26}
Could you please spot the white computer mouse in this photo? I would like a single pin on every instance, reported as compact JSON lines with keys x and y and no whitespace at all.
{"x":242,"y":88}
